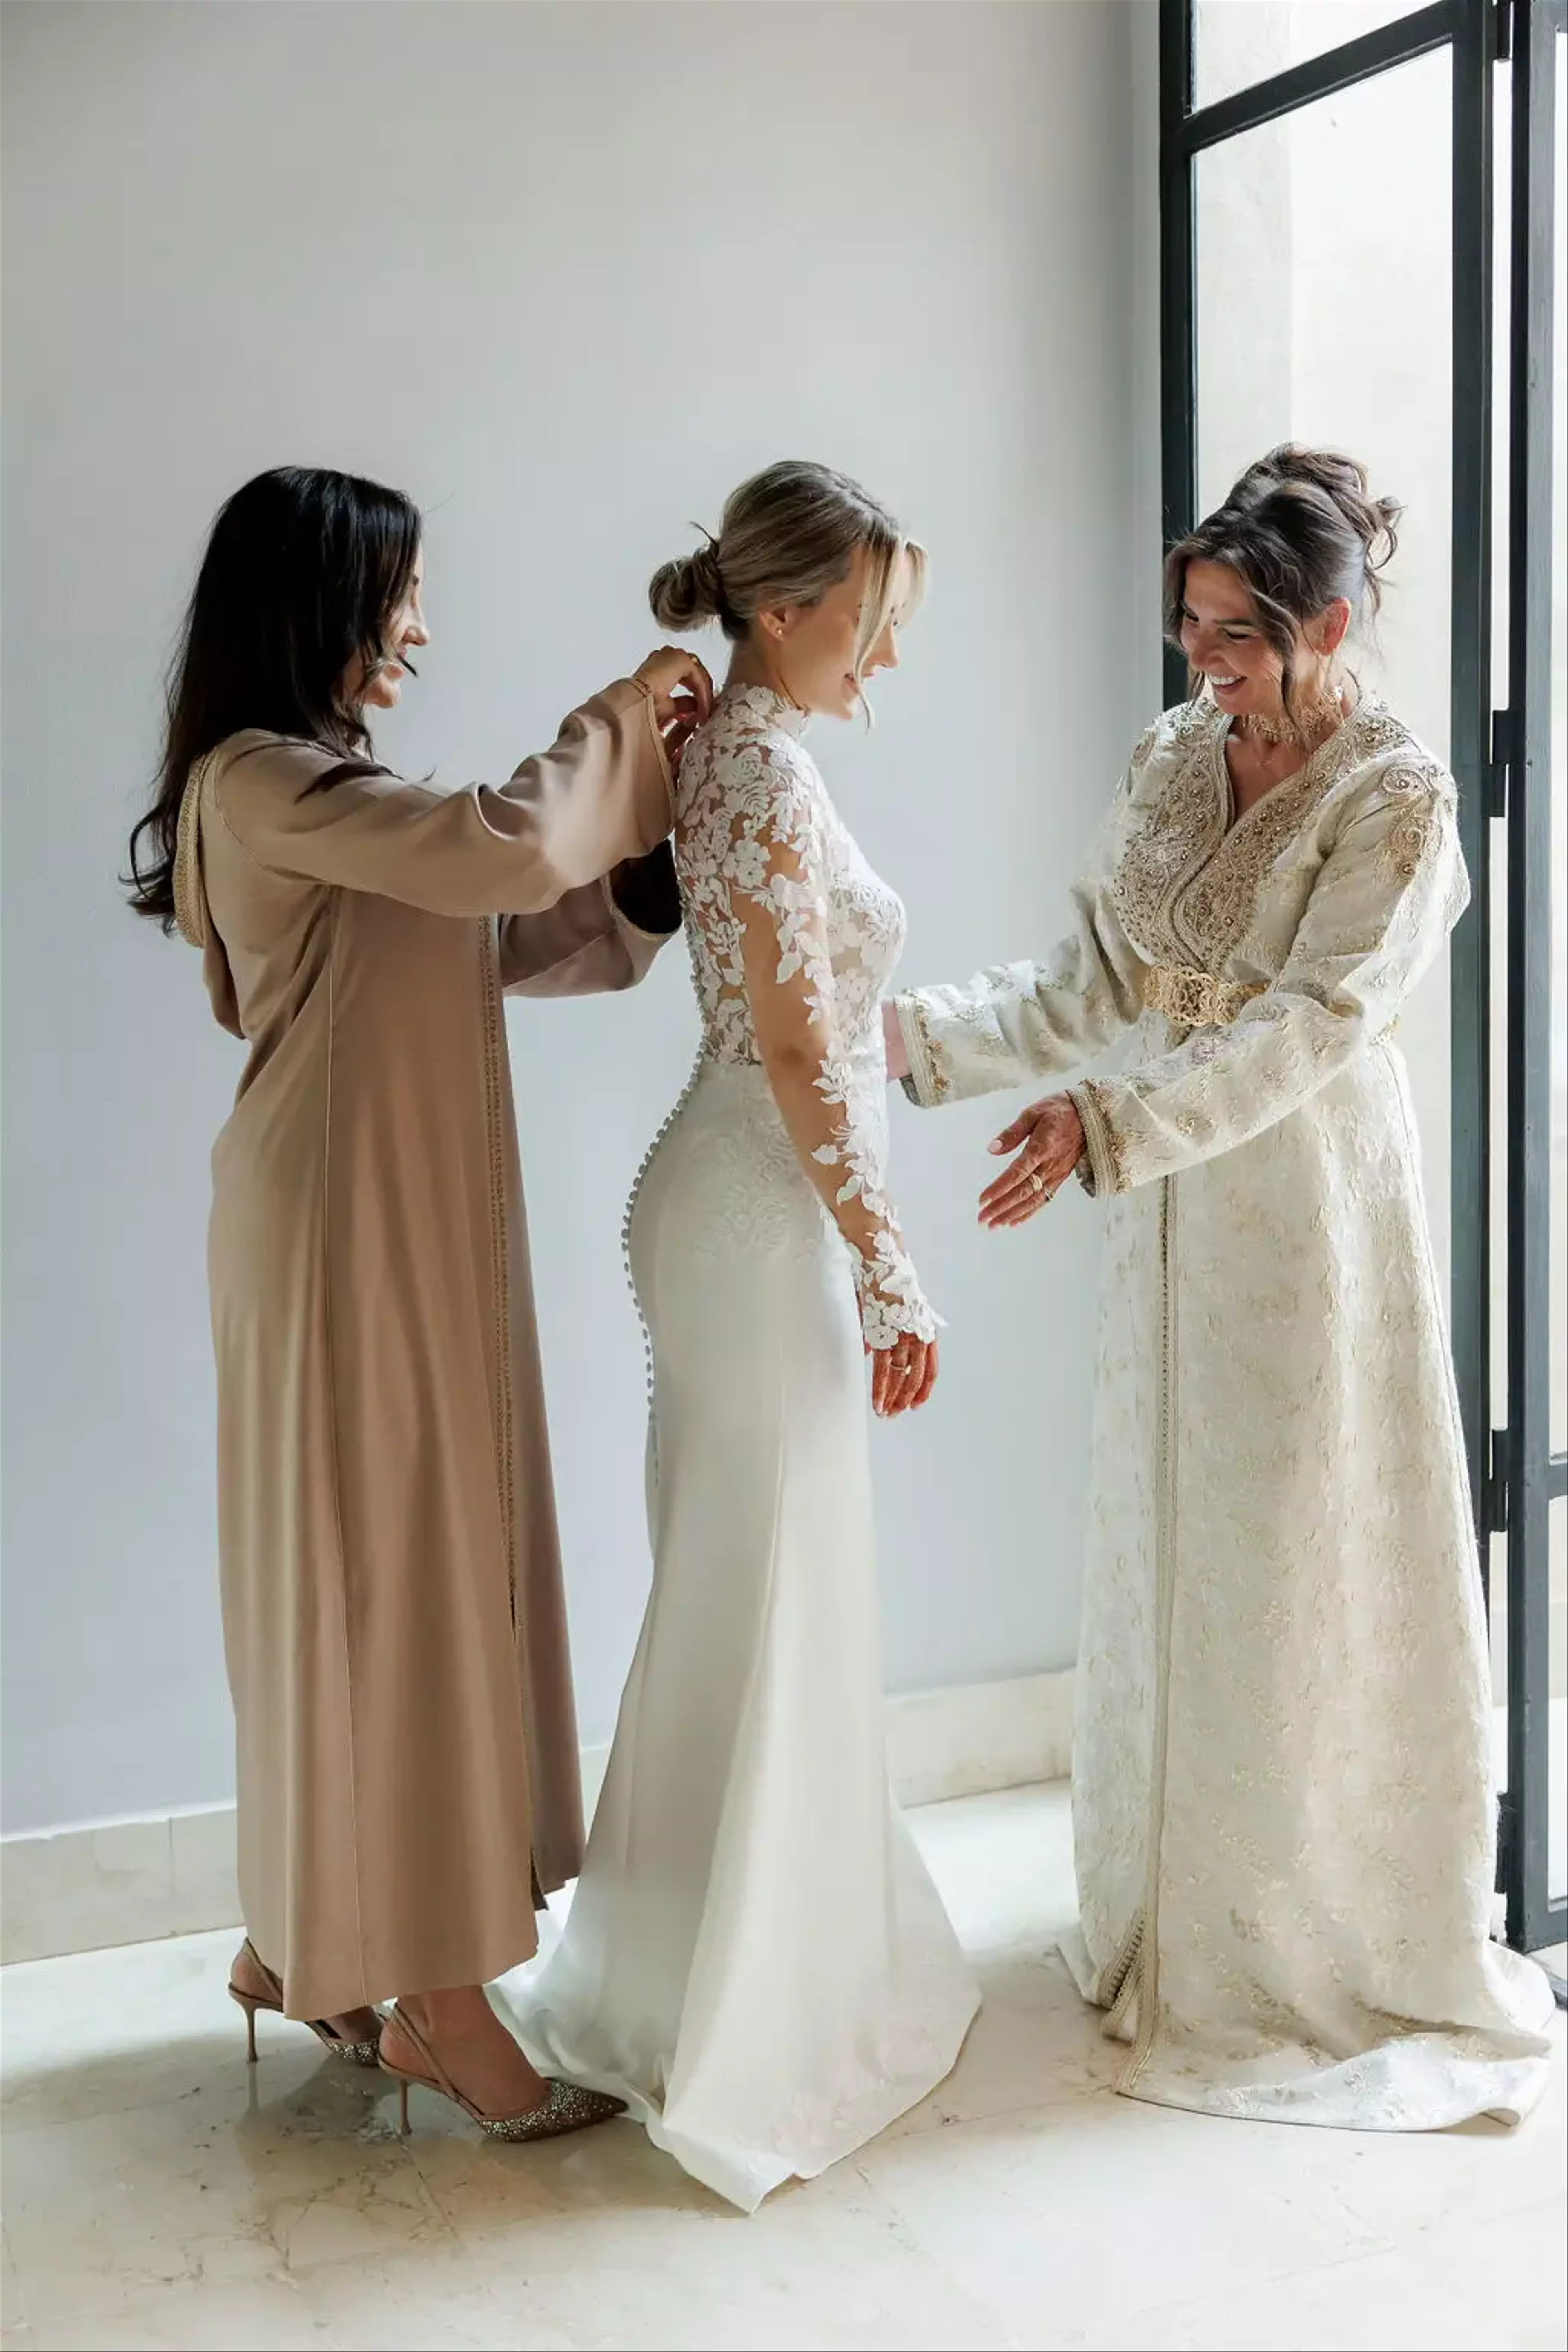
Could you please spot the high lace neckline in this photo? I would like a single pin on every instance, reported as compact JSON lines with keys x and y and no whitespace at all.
{"x":766,"y":705}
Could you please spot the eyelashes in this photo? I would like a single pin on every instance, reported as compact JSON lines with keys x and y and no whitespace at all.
{"x":1231,"y":636}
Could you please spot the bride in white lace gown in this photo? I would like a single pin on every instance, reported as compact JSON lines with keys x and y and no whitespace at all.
{"x":755,"y":1959}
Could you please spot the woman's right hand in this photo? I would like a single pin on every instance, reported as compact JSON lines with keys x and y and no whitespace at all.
{"x":681,"y":689}
{"x":902,"y":1377}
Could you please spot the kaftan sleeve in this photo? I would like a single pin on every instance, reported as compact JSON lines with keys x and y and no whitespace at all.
{"x":773,"y":878}
{"x":595,"y":940}
{"x":1017,"y":1022}
{"x":1386,"y":897}
{"x":600,"y":794}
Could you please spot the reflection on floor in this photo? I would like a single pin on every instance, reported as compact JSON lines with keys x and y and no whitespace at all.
{"x":159,"y":2193}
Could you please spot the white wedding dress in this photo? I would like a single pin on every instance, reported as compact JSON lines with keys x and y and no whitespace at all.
{"x":755,"y":1959}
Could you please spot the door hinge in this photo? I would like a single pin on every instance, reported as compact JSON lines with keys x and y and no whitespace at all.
{"x":1502,"y":30}
{"x":1497,"y":762}
{"x":1494,"y":1502}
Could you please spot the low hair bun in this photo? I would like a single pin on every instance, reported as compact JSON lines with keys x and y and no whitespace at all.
{"x":690,"y":591}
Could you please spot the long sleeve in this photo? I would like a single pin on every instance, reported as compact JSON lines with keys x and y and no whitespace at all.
{"x":1015,"y":1023}
{"x":596,"y":939}
{"x":599,"y":795}
{"x":771,"y":874}
{"x":1388,"y":893}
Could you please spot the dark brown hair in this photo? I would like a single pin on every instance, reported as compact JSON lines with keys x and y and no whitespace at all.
{"x":1299,"y":529}
{"x":302,"y":570}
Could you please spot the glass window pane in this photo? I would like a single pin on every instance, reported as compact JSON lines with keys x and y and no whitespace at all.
{"x":1324,"y":274}
{"x":1238,"y":42}
{"x":1559,"y":1177}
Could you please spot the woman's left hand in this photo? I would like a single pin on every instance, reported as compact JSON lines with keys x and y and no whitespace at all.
{"x":1052,"y":1139}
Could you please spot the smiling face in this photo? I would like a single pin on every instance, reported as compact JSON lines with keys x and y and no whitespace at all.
{"x":1223,"y":642}
{"x":814,"y":651}
{"x":379,"y":686}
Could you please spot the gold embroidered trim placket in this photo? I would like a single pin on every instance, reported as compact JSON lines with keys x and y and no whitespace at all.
{"x":931,"y":1080}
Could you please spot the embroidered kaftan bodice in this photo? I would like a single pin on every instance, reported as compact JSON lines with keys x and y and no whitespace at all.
{"x":793,"y":941}
{"x":1251,"y":957}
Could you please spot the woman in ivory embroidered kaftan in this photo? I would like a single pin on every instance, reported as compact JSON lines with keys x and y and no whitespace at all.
{"x":1283,"y":1803}
{"x":755,"y":1959}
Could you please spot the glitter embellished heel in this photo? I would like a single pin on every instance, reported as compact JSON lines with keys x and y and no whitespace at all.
{"x":567,"y":2108}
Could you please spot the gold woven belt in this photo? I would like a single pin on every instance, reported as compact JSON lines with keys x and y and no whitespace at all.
{"x":1196,"y":1000}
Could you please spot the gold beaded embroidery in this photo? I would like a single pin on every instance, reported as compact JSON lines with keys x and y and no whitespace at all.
{"x":1194,"y":999}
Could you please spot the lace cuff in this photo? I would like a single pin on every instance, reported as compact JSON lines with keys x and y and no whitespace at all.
{"x":892,"y":1305}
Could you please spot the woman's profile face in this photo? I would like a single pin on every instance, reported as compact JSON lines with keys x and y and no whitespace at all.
{"x":379,"y":686}
{"x":813,"y":646}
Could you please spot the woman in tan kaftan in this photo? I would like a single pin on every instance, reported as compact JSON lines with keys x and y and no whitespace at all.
{"x":392,"y":1595}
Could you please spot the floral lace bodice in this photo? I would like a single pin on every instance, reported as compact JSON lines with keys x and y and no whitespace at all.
{"x":793,"y":941}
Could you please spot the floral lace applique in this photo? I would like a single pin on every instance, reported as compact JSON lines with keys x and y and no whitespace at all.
{"x":793,"y":941}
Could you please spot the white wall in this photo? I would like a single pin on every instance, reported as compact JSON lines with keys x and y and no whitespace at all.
{"x":566,"y":272}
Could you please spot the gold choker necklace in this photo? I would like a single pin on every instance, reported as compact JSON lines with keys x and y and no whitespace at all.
{"x":1327,"y":711}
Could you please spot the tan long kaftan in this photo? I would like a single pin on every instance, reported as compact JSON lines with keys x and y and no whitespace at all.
{"x":393,"y":1611}
{"x":1282,"y":1801}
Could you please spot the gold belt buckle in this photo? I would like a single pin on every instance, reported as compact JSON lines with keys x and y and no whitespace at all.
{"x":1194,"y":999}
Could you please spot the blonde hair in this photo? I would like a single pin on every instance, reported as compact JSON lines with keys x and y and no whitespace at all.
{"x":786,"y":537}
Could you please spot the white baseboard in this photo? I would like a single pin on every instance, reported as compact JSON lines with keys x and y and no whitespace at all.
{"x":131,"y":1882}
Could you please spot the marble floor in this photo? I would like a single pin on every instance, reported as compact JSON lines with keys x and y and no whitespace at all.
{"x":159,"y":2193}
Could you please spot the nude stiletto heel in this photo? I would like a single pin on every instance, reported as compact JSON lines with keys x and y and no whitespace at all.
{"x":568,"y":2107}
{"x":358,"y":2053}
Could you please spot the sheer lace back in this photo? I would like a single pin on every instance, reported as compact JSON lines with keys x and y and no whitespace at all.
{"x":794,"y":942}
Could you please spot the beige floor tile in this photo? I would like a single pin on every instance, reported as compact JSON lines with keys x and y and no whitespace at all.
{"x":97,"y":2032}
{"x":162,"y":2196}
{"x":824,"y":2263}
{"x":13,"y":2311}
{"x":1033,"y":2044}
{"x":1004,"y":1863}
{"x":264,"y":2315}
{"x":600,"y":2240}
{"x":1494,"y":2286}
{"x":229,"y":2183}
{"x":436,"y":2298}
{"x":1057,"y":2217}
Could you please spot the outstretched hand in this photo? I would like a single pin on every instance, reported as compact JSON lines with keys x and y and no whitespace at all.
{"x":1048,"y":1139}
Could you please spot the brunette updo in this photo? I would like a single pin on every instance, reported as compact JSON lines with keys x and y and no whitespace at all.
{"x":1300,"y":530}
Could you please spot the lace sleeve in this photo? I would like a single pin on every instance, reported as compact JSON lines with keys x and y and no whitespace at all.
{"x":771,"y":866}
